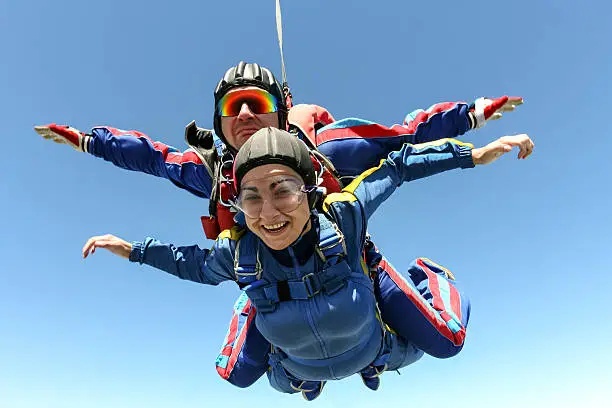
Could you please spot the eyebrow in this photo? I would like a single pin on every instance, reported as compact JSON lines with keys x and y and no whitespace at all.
{"x":272,"y":184}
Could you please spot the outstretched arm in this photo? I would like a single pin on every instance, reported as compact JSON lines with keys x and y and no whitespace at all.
{"x":133,"y":150}
{"x":412,"y":162}
{"x":187,"y":262}
{"x":355,"y":145}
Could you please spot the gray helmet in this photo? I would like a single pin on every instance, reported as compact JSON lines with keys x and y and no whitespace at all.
{"x":275,"y":146}
{"x":245,"y":74}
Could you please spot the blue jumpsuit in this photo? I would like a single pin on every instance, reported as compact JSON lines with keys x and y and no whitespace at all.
{"x":244,"y":355}
{"x":320,"y":313}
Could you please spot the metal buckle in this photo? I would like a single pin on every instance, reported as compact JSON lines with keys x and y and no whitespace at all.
{"x":319,"y":250}
{"x":257,"y":270}
{"x":228,"y":180}
{"x":309,"y":281}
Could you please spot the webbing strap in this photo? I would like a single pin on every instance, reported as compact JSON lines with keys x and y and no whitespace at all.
{"x":332,"y":276}
{"x":331,"y":240}
{"x":247,"y":266}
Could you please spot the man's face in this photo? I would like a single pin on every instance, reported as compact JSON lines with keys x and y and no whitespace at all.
{"x":237,"y":129}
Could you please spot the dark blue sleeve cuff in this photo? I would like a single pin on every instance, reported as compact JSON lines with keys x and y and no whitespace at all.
{"x":465,"y":156}
{"x":137,"y":253}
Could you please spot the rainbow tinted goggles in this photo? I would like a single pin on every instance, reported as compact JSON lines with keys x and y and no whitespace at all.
{"x":258,"y":100}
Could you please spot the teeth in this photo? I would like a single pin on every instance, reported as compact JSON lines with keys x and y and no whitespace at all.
{"x":275,"y":226}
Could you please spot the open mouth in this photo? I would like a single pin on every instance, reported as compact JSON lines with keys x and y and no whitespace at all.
{"x":276,"y":228}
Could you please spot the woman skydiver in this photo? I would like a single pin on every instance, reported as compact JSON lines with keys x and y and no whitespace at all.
{"x":301,"y":263}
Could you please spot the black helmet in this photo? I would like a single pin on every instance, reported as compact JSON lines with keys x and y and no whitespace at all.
{"x":245,"y":74}
{"x":275,"y":146}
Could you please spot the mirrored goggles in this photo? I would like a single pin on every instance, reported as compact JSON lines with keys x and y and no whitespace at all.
{"x":258,"y":100}
{"x":285,"y":195}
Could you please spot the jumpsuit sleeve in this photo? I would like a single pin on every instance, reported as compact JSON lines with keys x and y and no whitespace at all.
{"x":209,"y":267}
{"x":355,"y":145}
{"x":133,"y":150}
{"x":411,"y":162}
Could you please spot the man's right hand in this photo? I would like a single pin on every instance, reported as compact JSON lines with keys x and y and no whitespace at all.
{"x":65,"y":135}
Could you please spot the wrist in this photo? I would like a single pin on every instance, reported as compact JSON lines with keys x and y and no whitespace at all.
{"x":477,"y":156}
{"x":472,"y":120}
{"x":84,"y":141}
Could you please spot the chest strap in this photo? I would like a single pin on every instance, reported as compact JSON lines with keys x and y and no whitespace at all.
{"x":330,"y":278}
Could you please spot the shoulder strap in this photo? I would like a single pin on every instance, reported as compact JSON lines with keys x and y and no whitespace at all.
{"x":331,"y":244}
{"x":247,"y":266}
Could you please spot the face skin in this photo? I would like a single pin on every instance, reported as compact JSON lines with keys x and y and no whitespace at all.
{"x":267,"y":225}
{"x":237,"y":129}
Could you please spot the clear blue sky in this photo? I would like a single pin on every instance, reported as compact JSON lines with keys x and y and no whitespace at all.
{"x":529,"y":240}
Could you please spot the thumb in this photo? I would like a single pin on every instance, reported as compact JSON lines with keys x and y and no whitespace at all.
{"x":502,"y":149}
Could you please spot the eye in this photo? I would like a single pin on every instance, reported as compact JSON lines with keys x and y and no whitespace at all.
{"x":256,"y":105}
{"x":283,"y":192}
{"x":285,"y":189}
{"x":237,"y":106}
{"x":250,"y":198}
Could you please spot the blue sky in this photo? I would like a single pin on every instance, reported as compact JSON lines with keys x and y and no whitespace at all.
{"x":529,"y":240}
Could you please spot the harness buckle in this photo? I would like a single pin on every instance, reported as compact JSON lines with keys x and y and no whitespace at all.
{"x":338,"y":239}
{"x":311,"y":283}
{"x":249,"y":273}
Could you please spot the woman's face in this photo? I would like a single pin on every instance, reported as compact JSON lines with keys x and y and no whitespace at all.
{"x":275,"y":207}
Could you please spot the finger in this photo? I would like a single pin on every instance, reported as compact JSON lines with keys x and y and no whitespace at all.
{"x":516,"y":100}
{"x":500,"y":149}
{"x":87,"y":247}
{"x":511,"y":104}
{"x":88,"y":251}
{"x":506,"y":108}
{"x":42,"y":130}
{"x":103,"y":243}
{"x":530,"y":147}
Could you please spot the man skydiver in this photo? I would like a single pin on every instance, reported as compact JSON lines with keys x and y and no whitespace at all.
{"x":247,"y":99}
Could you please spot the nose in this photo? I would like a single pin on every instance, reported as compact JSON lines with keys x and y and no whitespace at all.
{"x":245,"y":111}
{"x":268,"y":210}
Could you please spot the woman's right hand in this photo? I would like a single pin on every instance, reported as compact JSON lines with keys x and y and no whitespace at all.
{"x":109,"y":242}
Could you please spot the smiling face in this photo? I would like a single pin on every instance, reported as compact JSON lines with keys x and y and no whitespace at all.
{"x":237,"y":129}
{"x":281,"y":211}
